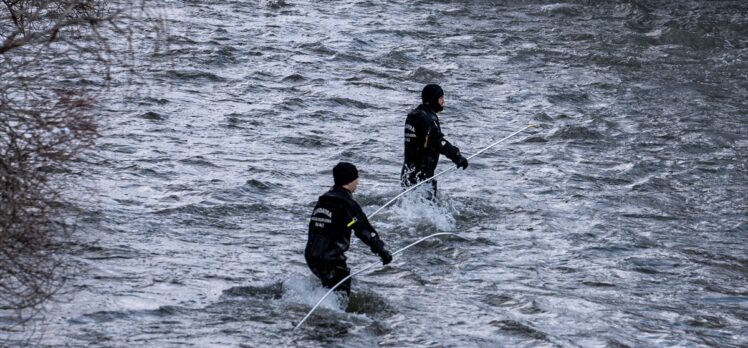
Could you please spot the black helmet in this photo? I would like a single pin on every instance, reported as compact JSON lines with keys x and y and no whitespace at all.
{"x":430,"y":97}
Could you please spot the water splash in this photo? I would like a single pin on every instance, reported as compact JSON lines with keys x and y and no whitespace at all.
{"x":307,"y":290}
{"x":416,"y":209}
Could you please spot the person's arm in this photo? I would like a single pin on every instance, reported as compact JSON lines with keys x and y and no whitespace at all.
{"x":367,"y":234}
{"x":452,"y":152}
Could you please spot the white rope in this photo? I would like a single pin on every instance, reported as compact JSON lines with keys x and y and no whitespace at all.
{"x":447,"y":170}
{"x":370,"y":266}
{"x":418,"y":241}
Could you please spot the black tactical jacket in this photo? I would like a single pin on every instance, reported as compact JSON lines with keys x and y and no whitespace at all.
{"x":424,"y":142}
{"x":333,"y":218}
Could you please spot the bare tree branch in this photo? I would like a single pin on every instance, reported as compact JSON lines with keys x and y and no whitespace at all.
{"x":56,"y":58}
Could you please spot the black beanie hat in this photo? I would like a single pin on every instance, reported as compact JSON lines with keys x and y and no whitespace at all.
{"x":344,"y":173}
{"x":430,"y":96}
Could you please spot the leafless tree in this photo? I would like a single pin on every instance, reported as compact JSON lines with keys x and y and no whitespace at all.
{"x":56,"y":58}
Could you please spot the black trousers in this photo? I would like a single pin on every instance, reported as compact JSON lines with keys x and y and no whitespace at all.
{"x":330,"y":273}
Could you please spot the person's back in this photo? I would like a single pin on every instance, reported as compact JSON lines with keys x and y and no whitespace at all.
{"x":329,"y":237}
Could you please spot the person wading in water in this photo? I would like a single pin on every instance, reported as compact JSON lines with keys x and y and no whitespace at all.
{"x":333,"y":218}
{"x":424,"y":141}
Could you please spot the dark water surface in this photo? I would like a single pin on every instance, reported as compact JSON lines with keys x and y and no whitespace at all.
{"x":620,"y":222}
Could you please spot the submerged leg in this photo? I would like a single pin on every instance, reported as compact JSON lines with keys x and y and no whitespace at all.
{"x":333,"y":274}
{"x":410,"y":178}
{"x":432,"y":194}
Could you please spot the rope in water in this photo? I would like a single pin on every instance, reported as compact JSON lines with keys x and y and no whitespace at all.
{"x":431,"y":178}
{"x":418,"y":241}
{"x":370,"y":266}
{"x":448,"y":169}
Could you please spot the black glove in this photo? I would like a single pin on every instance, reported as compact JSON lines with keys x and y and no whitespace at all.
{"x":386,"y":256}
{"x":461,"y":162}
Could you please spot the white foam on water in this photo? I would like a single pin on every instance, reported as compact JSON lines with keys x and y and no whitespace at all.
{"x":414,"y":208}
{"x":307,"y":290}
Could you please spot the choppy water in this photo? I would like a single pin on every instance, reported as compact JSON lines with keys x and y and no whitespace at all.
{"x":620,"y":221}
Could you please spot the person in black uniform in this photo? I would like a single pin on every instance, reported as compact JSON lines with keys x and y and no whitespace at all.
{"x":333,"y":218}
{"x":424,"y":141}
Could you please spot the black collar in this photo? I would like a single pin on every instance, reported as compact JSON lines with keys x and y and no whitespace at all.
{"x":424,"y":107}
{"x":341,"y":189}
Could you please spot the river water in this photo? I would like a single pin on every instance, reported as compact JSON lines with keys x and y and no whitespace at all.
{"x":621,"y":221}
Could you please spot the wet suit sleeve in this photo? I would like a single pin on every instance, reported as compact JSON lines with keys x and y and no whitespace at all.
{"x":447,"y":149}
{"x":364,"y":230}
